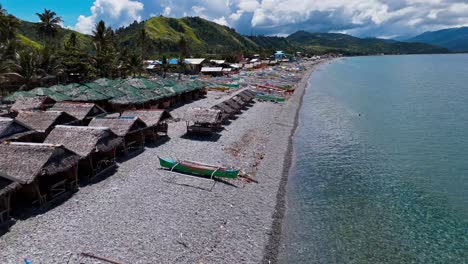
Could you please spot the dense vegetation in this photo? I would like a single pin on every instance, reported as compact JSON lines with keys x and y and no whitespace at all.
{"x":345,"y":44}
{"x":44,"y":53}
{"x":454,"y":39}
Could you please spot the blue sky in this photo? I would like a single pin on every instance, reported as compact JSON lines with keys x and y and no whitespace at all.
{"x":365,"y":18}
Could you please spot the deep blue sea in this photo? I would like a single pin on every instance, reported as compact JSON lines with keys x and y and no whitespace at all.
{"x":380,"y":170}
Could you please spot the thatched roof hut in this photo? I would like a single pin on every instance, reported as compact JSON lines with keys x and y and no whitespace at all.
{"x":233,"y":104}
{"x":7,"y":185}
{"x":203,"y":116}
{"x":44,"y":121}
{"x":80,"y":111}
{"x":120,"y":126}
{"x":246,"y":96}
{"x":11,"y":129}
{"x":34,"y":103}
{"x":239,"y":101}
{"x":24,"y":162}
{"x":151,"y":117}
{"x":84,"y":140}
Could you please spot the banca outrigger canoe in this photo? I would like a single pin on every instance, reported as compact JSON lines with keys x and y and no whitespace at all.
{"x":196,"y":168}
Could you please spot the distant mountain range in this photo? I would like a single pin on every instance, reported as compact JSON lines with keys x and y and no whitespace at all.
{"x":205,"y":37}
{"x":454,"y":39}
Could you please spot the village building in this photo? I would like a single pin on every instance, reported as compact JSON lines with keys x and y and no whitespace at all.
{"x":96,"y":146}
{"x":45,"y":171}
{"x":131,"y":129}
{"x":195,"y":65}
{"x":44,"y":121}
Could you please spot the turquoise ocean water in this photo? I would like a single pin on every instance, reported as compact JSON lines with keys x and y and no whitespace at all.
{"x":380,"y":170}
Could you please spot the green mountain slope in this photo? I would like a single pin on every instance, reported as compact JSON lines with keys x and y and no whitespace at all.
{"x":202,"y":36}
{"x":346,"y":44}
{"x":454,"y":39}
{"x":28,"y":34}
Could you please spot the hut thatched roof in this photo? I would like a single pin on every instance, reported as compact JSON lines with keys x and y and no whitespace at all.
{"x":23,"y":162}
{"x":79,"y":110}
{"x":34,"y":103}
{"x":44,"y":120}
{"x":9,"y":127}
{"x":150,"y":117}
{"x":203,"y":116}
{"x":233,"y":104}
{"x":120,"y":126}
{"x":246,"y":97}
{"x":7,"y":185}
{"x":225,"y":108}
{"x":84,"y":140}
{"x":239,"y":100}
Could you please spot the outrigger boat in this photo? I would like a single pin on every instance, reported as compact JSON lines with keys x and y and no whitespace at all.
{"x":196,"y":168}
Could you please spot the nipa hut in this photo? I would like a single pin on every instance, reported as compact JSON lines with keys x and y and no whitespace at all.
{"x":155,"y":120}
{"x":131,"y":129}
{"x":202,"y":120}
{"x":246,"y":96}
{"x":96,"y":146}
{"x":226,"y":111}
{"x":7,"y":187}
{"x":32,"y":103}
{"x":45,"y":171}
{"x":239,"y":101}
{"x":233,"y":104}
{"x":83,"y":112}
{"x":14,"y":130}
{"x":44,"y":121}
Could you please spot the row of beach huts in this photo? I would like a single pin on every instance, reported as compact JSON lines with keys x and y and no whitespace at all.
{"x":47,"y":148}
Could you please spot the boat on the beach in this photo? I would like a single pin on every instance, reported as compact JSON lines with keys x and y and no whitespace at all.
{"x":197,"y":168}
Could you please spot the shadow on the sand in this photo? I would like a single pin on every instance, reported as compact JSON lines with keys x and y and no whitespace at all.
{"x":161,"y":141}
{"x":202,"y":137}
{"x":130,"y":155}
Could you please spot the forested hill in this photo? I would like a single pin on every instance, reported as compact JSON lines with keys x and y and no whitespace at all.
{"x":346,"y":44}
{"x":454,"y":39}
{"x":205,"y":37}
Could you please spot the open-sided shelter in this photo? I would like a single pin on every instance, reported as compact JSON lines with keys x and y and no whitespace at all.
{"x":155,"y":119}
{"x":96,"y":146}
{"x":202,"y":120}
{"x":83,"y":112}
{"x":44,"y":121}
{"x":45,"y":171}
{"x":226,"y":111}
{"x":7,"y":187}
{"x":131,"y":129}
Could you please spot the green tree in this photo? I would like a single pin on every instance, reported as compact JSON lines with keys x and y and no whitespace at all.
{"x":8,"y":27}
{"x":27,"y":68}
{"x":143,"y":42}
{"x":72,"y":40}
{"x":102,"y":36}
{"x":49,"y":24}
{"x":134,"y":64}
{"x":183,"y":49}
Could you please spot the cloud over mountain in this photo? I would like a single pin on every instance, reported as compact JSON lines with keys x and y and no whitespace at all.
{"x":376,"y":18}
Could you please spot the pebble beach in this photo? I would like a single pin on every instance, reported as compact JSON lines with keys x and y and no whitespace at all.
{"x":142,"y":214}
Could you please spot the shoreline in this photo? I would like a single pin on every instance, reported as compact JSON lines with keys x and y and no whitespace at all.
{"x":142,"y":214}
{"x":271,"y":252}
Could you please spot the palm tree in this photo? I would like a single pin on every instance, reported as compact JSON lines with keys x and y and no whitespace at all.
{"x":49,"y":24}
{"x":134,"y":64}
{"x":8,"y":28}
{"x":73,"y":40}
{"x":143,"y":39}
{"x":183,"y":54}
{"x":102,"y":36}
{"x":27,"y":68}
{"x":3,"y":11}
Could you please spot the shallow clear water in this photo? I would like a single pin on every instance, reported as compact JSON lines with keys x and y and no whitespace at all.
{"x":381,"y":163}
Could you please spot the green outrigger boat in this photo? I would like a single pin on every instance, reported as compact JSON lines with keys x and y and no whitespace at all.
{"x":196,"y":168}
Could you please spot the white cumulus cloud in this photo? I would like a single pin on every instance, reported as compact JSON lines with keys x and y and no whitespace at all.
{"x":114,"y":12}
